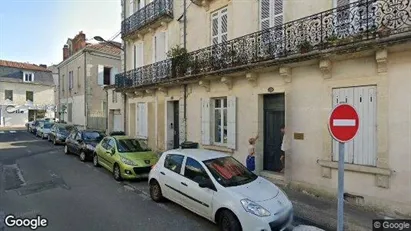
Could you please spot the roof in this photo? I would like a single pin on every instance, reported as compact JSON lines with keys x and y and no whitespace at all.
{"x":105,"y":48}
{"x":198,"y":154}
{"x":25,"y":66}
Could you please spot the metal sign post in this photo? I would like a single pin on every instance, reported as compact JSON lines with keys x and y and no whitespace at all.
{"x":343,"y":125}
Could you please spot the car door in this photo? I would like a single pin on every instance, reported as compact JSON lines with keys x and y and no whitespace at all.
{"x":109,"y":155}
{"x":52,"y":131}
{"x":101,"y":152}
{"x":69,"y":141}
{"x":197,"y":199}
{"x":77,"y":143}
{"x":170,"y":177}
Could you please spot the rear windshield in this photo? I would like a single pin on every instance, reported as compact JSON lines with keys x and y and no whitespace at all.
{"x":93,"y":136}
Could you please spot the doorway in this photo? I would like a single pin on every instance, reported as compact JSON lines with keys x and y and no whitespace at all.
{"x":173,"y":125}
{"x":274,"y":118}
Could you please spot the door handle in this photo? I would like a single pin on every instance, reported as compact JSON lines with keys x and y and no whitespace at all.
{"x":163,"y":173}
{"x":184,"y":184}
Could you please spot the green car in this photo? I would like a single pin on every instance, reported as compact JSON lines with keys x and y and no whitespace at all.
{"x":125,"y":157}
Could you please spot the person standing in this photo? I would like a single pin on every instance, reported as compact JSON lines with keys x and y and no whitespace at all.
{"x":250,"y":161}
{"x":282,"y":158}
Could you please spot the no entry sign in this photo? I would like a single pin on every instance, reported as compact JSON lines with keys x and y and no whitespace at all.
{"x":343,"y":123}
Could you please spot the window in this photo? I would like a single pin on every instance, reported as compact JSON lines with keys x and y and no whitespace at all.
{"x":78,"y":77}
{"x":107,"y":75}
{"x":114,"y":96}
{"x":142,"y":120}
{"x":160,"y":47}
{"x":362,"y":150}
{"x":174,"y":162}
{"x":8,"y":95}
{"x":62,"y":82}
{"x":29,"y":96}
{"x":218,"y":121}
{"x":271,"y":13}
{"x":78,"y":136}
{"x":138,"y":55}
{"x":219,"y":26}
{"x":194,"y":171}
{"x":28,"y":77}
{"x":104,"y":143}
{"x":70,"y":112}
{"x":93,"y":136}
{"x":70,"y":80}
{"x":130,"y":145}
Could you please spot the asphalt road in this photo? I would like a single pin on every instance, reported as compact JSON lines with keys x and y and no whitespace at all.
{"x":37,"y":178}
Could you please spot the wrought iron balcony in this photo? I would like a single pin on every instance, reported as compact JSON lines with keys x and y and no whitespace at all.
{"x":365,"y":21}
{"x":146,"y":16}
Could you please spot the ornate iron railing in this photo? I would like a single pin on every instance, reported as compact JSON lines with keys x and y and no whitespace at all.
{"x":147,"y":15}
{"x":356,"y":22}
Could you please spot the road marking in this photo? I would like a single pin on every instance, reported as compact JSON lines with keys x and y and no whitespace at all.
{"x":344,"y":123}
{"x":12,"y":131}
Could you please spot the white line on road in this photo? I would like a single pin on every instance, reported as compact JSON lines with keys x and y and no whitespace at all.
{"x":12,"y":131}
{"x":344,"y":123}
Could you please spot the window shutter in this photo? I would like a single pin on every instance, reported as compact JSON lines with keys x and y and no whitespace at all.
{"x":224,"y":25}
{"x":277,"y":12}
{"x":214,"y":29}
{"x":181,"y":120}
{"x":144,"y":114}
{"x":155,"y":48}
{"x":342,"y":2}
{"x":131,"y":10}
{"x":138,"y":55}
{"x":141,"y":4}
{"x":205,"y":121}
{"x":231,"y":121}
{"x":100,"y":80}
{"x":160,"y":46}
{"x":138,"y":119}
{"x":113,"y":73}
{"x":265,"y":14}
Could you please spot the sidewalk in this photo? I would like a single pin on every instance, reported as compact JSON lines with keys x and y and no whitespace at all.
{"x":11,"y":128}
{"x":322,"y":212}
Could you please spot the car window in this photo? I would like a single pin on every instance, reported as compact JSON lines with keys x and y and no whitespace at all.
{"x":73,"y":135}
{"x":194,"y":171}
{"x":48,"y":125}
{"x":129,"y":145}
{"x":93,"y":136}
{"x":78,"y":136}
{"x":104,"y":143}
{"x":110,"y":144}
{"x":174,"y":162}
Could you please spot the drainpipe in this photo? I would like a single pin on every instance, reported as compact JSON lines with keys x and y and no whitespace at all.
{"x":58,"y":88}
{"x":107,"y":112}
{"x":85,"y":89}
{"x":185,"y":85}
{"x":124,"y":71}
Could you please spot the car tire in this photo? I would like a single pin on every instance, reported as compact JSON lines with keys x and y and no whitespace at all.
{"x":66,"y":150}
{"x":82,"y":156}
{"x":95,"y":160}
{"x":48,"y":138}
{"x":155,"y":191}
{"x":116,"y":172}
{"x":228,"y":221}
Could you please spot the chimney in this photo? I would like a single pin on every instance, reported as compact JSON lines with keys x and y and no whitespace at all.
{"x":79,"y":42}
{"x":66,"y":53}
{"x":43,"y":66}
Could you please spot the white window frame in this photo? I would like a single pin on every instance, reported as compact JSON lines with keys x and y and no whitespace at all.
{"x":138,"y":54}
{"x":221,"y":109}
{"x":30,"y":74}
{"x":218,"y":14}
{"x":71,"y":79}
{"x":154,"y":53}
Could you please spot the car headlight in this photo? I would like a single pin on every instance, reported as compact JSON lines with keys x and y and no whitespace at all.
{"x":90,"y":147}
{"x":254,"y":208}
{"x":127,"y":161}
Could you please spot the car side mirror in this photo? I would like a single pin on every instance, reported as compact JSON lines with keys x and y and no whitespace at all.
{"x":206,"y":183}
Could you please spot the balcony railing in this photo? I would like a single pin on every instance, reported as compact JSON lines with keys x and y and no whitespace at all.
{"x":357,"y":22}
{"x":146,"y":16}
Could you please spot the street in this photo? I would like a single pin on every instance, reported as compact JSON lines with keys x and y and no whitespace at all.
{"x":37,"y":178}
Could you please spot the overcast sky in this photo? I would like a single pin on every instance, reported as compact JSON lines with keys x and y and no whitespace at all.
{"x":35,"y":31}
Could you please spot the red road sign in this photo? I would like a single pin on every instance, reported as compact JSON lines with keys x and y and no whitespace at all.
{"x":343,"y":123}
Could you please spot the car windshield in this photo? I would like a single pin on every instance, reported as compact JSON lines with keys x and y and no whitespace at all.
{"x":229,"y":172}
{"x":93,"y":136}
{"x":130,"y":145}
{"x":65,"y":129}
{"x":48,"y":125}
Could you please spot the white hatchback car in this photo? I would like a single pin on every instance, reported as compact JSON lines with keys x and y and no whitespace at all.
{"x":218,"y":187}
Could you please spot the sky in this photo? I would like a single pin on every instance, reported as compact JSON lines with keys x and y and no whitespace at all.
{"x":35,"y":31}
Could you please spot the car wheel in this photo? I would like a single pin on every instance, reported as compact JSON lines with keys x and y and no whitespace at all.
{"x":48,"y":138}
{"x":116,"y":172}
{"x":54,"y":141}
{"x":155,"y":191}
{"x":229,"y":222}
{"x":83,"y":156}
{"x":95,"y":160}
{"x":66,"y":151}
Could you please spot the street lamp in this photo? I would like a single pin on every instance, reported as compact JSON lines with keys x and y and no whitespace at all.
{"x":100,"y":39}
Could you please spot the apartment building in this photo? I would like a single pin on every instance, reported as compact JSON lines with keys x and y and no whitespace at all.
{"x":55,"y":72}
{"x":84,"y":72}
{"x":252,"y":66}
{"x":26,"y":93}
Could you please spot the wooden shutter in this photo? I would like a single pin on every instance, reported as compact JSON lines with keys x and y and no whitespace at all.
{"x":224,"y":25}
{"x":231,"y":121}
{"x":205,"y":121}
{"x":142,"y":120}
{"x":100,"y":78}
{"x":182,"y":127}
{"x":144,"y":114}
{"x":138,"y":54}
{"x":265,"y":14}
{"x":131,"y":10}
{"x":161,"y":43}
{"x":141,"y":4}
{"x":277,"y":9}
{"x":271,"y":13}
{"x":113,"y":73}
{"x":214,"y":28}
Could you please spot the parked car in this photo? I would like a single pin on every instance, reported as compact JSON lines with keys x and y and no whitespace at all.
{"x":125,"y":157}
{"x":33,"y":126}
{"x":44,"y":130}
{"x":83,"y":143}
{"x":38,"y":127}
{"x":221,"y":189}
{"x":59,"y":133}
